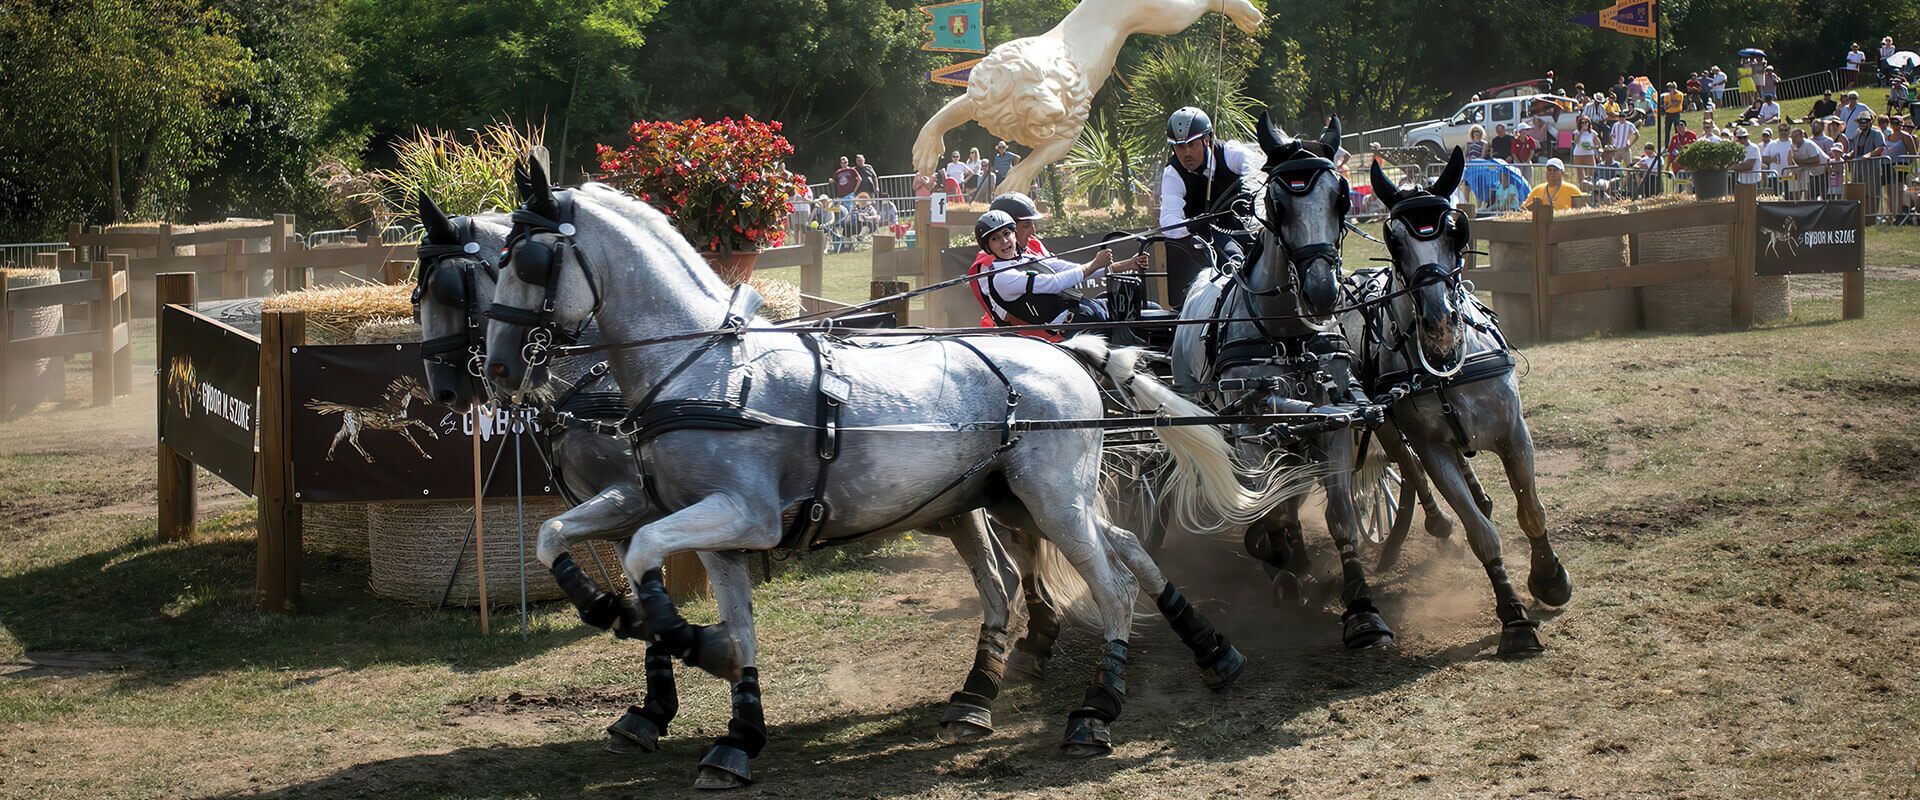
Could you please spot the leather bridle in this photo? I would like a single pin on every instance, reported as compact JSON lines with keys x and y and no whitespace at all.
{"x":535,"y":249}
{"x":447,"y":270}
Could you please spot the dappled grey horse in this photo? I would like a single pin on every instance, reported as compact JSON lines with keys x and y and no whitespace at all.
{"x":1275,"y":348}
{"x":1432,"y":345}
{"x":595,"y":466}
{"x":796,"y":438}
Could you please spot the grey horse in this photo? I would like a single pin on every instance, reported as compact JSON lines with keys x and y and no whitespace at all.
{"x":1437,"y":350}
{"x":458,"y":263}
{"x":1249,"y":361}
{"x":765,"y":438}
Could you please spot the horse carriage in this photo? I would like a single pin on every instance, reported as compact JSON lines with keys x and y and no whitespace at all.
{"x":1222,"y":418}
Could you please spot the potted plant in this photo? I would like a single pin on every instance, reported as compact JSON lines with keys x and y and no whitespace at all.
{"x":1709,"y":162}
{"x":724,"y":184}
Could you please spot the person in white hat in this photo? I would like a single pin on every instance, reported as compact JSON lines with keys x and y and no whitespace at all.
{"x":1554,"y":192}
{"x":1748,"y":170}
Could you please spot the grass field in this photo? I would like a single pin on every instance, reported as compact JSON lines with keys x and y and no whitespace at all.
{"x":1740,"y":512}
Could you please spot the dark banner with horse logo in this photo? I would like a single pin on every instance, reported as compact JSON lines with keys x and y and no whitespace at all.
{"x":1809,"y":238}
{"x":209,"y":384}
{"x":364,"y":430}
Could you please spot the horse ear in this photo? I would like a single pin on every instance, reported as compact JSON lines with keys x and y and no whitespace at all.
{"x":1383,"y":188}
{"x":439,"y":229}
{"x":1331,"y":136}
{"x":538,"y":197}
{"x":522,"y":180}
{"x":1449,"y":179}
{"x":1273,"y":141}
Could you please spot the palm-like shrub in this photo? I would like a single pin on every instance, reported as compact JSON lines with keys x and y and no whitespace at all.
{"x":1184,"y":74}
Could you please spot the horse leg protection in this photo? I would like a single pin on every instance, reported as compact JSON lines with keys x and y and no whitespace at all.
{"x":973,"y":704}
{"x":1519,"y":636}
{"x":1220,"y":662}
{"x":746,"y":735}
{"x":1030,"y":652}
{"x":1089,"y":729}
{"x":1362,"y":627}
{"x":664,"y":625}
{"x":644,"y":724}
{"x":596,"y":607}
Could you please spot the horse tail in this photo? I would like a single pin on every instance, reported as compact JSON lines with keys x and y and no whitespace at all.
{"x":1062,"y":589}
{"x":1210,"y":484}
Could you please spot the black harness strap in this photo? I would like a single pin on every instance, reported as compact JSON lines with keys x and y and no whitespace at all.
{"x":832,"y":391}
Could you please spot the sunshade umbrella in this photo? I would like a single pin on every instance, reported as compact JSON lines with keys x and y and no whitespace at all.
{"x":1905,"y":59}
{"x":1752,"y":52}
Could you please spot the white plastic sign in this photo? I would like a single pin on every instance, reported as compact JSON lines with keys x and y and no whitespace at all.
{"x":939,"y":213}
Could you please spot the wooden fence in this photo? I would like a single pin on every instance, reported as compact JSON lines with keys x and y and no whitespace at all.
{"x":103,"y":293}
{"x":241,"y":261}
{"x":1542,"y":278}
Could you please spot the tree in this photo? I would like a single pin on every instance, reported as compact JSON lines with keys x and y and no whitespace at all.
{"x":131,"y":96}
{"x":569,"y":65}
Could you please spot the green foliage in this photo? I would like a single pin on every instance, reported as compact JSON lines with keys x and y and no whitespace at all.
{"x":462,"y":177}
{"x":569,"y":63}
{"x":1184,"y":73}
{"x":1103,"y":164}
{"x":1704,"y":156}
{"x":111,"y":106}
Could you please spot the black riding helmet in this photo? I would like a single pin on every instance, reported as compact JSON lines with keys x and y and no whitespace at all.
{"x":990,"y":223}
{"x":1017,"y":205}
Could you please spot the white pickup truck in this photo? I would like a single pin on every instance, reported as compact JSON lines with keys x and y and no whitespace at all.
{"x":1440,"y":137}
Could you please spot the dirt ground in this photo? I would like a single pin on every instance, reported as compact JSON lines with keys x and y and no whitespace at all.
{"x":1737,"y":510}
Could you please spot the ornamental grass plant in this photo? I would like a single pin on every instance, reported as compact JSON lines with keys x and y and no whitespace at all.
{"x":464,"y":177}
{"x":724,"y":184}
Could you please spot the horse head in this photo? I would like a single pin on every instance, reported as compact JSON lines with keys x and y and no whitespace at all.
{"x":1425,"y":235}
{"x":1306,"y":208}
{"x":545,"y":290}
{"x":453,"y":284}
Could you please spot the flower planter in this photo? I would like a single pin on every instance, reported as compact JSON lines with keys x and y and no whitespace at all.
{"x":735,"y":267}
{"x":1712,"y":184}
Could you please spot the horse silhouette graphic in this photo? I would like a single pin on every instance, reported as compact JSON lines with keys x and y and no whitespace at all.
{"x":1783,"y":235}
{"x":182,"y":384}
{"x":390,"y":415}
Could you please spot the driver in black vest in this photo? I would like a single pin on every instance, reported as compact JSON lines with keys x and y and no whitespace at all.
{"x":1200,"y":172}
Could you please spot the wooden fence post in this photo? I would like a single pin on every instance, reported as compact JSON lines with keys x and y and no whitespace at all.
{"x":1541,"y":300}
{"x":103,"y":349}
{"x":813,"y":274}
{"x":6,"y":338}
{"x":879,"y":289}
{"x":179,"y":503}
{"x":278,"y":570}
{"x":1853,"y":284}
{"x":395,"y":273}
{"x":123,"y":358}
{"x":233,"y":282}
{"x":685,"y":576}
{"x":1745,"y":251}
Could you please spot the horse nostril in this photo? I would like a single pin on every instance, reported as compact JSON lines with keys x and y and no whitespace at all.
{"x":444,"y":397}
{"x":499,"y":369}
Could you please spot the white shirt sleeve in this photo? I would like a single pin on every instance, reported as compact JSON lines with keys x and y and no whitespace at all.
{"x":1243,"y":159}
{"x":1173,"y":202}
{"x":1012,"y":284}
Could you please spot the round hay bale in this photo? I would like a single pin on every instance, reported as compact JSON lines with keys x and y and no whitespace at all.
{"x":412,"y":548}
{"x":1607,"y":311}
{"x":44,"y":378}
{"x":1691,"y":305}
{"x":1772,"y":298}
{"x":336,"y":528}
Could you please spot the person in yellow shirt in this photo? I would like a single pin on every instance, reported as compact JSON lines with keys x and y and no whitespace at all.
{"x":1554,"y":192}
{"x":1672,"y":102}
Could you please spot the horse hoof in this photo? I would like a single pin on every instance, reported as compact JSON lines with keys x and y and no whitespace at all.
{"x":966,"y":723}
{"x":1553,"y":589}
{"x":1224,"y":670}
{"x":1439,"y":526}
{"x":1024,"y":667}
{"x":1520,"y":639}
{"x":1366,"y":630}
{"x":632,"y":734}
{"x":1087,"y":737}
{"x":717,"y":653}
{"x":1288,"y":590}
{"x":724,"y":767}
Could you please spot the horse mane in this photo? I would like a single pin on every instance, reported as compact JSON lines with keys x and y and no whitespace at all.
{"x":650,"y":220}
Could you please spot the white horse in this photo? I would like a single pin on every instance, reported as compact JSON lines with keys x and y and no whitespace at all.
{"x":1039,"y":90}
{"x":765,"y":438}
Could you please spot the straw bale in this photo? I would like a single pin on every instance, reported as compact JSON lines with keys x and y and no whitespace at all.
{"x":387,"y":330}
{"x":45,"y":378}
{"x":413,"y":547}
{"x":1584,"y":313}
{"x":335,"y":312}
{"x":783,"y":298}
{"x":335,"y":528}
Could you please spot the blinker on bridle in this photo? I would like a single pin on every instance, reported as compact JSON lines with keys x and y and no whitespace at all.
{"x":432,"y":257}
{"x":533,"y":251}
{"x":1427,"y":218}
{"x":1295,"y":177}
